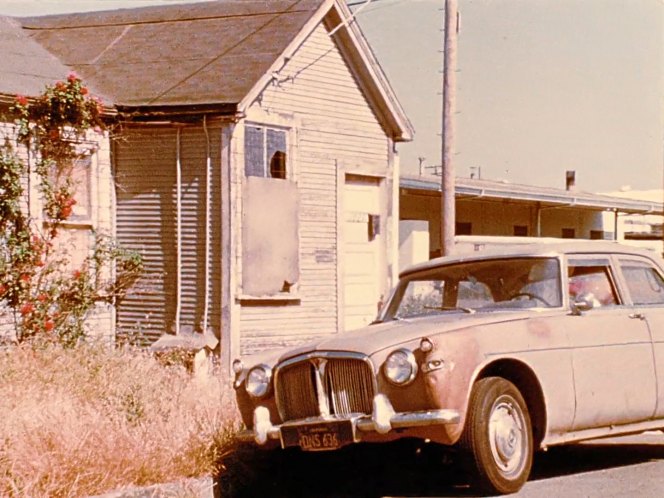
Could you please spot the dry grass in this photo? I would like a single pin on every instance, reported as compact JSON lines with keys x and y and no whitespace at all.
{"x":85,"y":421}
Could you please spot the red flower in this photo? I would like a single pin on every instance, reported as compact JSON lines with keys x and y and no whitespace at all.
{"x":24,"y":277}
{"x":3,"y":289}
{"x":72,"y":77}
{"x":48,"y":325}
{"x":65,"y":212}
{"x":27,"y":308}
{"x":84,"y":91}
{"x":39,"y":263}
{"x":77,"y":274}
{"x":22,"y":100}
{"x":42,"y":297}
{"x":60,"y":86}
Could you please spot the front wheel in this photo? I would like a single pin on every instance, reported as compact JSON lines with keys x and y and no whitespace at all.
{"x":498,"y":436}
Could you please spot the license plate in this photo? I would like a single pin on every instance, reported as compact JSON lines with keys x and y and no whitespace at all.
{"x":325,"y":436}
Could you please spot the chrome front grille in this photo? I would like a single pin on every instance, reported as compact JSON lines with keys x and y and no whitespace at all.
{"x":324,"y":386}
{"x":296,"y":392}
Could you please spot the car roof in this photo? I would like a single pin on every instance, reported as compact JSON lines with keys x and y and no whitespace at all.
{"x":533,"y":249}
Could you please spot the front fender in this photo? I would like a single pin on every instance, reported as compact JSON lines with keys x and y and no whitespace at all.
{"x":449,"y":372}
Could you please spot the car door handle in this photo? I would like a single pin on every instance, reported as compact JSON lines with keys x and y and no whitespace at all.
{"x":639,"y":316}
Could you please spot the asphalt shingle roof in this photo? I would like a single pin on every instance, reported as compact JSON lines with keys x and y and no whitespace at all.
{"x":192,"y":54}
{"x":26,"y":66}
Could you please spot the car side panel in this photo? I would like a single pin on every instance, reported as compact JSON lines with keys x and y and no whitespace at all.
{"x":654,"y":317}
{"x":648,"y":306}
{"x":613,"y":368}
{"x":539,"y":343}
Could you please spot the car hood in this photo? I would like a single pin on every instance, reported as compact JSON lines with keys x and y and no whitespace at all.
{"x":374,"y":338}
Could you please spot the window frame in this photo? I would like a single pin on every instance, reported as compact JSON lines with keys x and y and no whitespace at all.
{"x":643,"y":261}
{"x":87,"y":162}
{"x":615,"y":278}
{"x":520,"y":230}
{"x":568,"y":233}
{"x":463,"y":228}
{"x":265,"y":126}
{"x":86,"y":154}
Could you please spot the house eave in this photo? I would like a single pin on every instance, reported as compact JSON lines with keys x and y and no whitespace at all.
{"x":7,"y":101}
{"x":138,"y":113}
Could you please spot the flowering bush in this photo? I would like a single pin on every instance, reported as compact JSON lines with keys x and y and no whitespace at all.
{"x":46,"y":298}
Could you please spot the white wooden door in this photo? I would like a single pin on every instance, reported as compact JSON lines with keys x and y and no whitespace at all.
{"x":362,"y":243}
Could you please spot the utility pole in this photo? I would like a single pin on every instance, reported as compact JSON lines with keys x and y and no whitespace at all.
{"x":448,"y":211}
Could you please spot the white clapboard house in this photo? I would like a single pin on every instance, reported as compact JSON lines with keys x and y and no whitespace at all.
{"x":256,"y":168}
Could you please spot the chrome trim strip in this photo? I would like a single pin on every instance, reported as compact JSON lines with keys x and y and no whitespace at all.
{"x":344,"y":355}
{"x":321,"y":392}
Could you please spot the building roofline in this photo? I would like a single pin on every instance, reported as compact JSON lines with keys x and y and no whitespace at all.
{"x":333,"y":14}
{"x":468,"y":188}
{"x":357,"y":52}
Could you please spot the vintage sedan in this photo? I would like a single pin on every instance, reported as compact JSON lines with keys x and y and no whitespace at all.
{"x":496,"y":353}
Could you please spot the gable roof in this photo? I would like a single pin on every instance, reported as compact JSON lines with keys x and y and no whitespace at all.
{"x":26,"y":66}
{"x":209,"y":54}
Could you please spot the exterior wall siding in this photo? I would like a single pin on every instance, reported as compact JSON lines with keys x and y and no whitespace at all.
{"x":146,"y":193}
{"x":336,"y":130}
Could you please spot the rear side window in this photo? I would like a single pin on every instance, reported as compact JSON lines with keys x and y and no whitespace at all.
{"x":644,"y":282}
{"x":591,"y":280}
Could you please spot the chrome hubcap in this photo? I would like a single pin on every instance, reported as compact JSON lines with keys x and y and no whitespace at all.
{"x":507,"y":435}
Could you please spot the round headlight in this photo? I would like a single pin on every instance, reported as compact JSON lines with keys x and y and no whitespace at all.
{"x":400,"y":367}
{"x":258,"y":381}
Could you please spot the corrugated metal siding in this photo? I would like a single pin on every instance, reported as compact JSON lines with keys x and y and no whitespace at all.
{"x":337,"y":126}
{"x":145,"y":162}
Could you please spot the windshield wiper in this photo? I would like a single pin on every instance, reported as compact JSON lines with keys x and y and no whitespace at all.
{"x":451,"y":308}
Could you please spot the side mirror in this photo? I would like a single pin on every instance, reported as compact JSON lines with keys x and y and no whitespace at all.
{"x":582,"y":303}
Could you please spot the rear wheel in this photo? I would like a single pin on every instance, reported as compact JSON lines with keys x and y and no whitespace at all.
{"x":498,"y":436}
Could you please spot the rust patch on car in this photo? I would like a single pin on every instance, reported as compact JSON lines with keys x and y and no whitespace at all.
{"x":538,"y":328}
{"x":448,"y":387}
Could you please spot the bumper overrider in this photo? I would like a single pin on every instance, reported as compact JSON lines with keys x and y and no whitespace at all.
{"x":331,"y":432}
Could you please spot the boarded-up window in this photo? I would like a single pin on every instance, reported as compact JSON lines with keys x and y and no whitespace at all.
{"x":270,"y":242}
{"x":265,"y":152}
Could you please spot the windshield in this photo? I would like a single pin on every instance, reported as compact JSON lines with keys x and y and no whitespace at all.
{"x":495,"y":284}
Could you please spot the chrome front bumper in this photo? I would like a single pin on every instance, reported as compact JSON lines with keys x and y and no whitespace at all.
{"x":383,"y":420}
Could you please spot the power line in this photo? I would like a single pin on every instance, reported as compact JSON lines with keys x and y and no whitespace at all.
{"x":353,"y":3}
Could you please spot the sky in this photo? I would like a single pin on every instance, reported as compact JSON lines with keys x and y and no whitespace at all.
{"x":543,"y":86}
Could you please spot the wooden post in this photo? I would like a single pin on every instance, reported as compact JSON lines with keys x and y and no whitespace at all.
{"x":448,"y":212}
